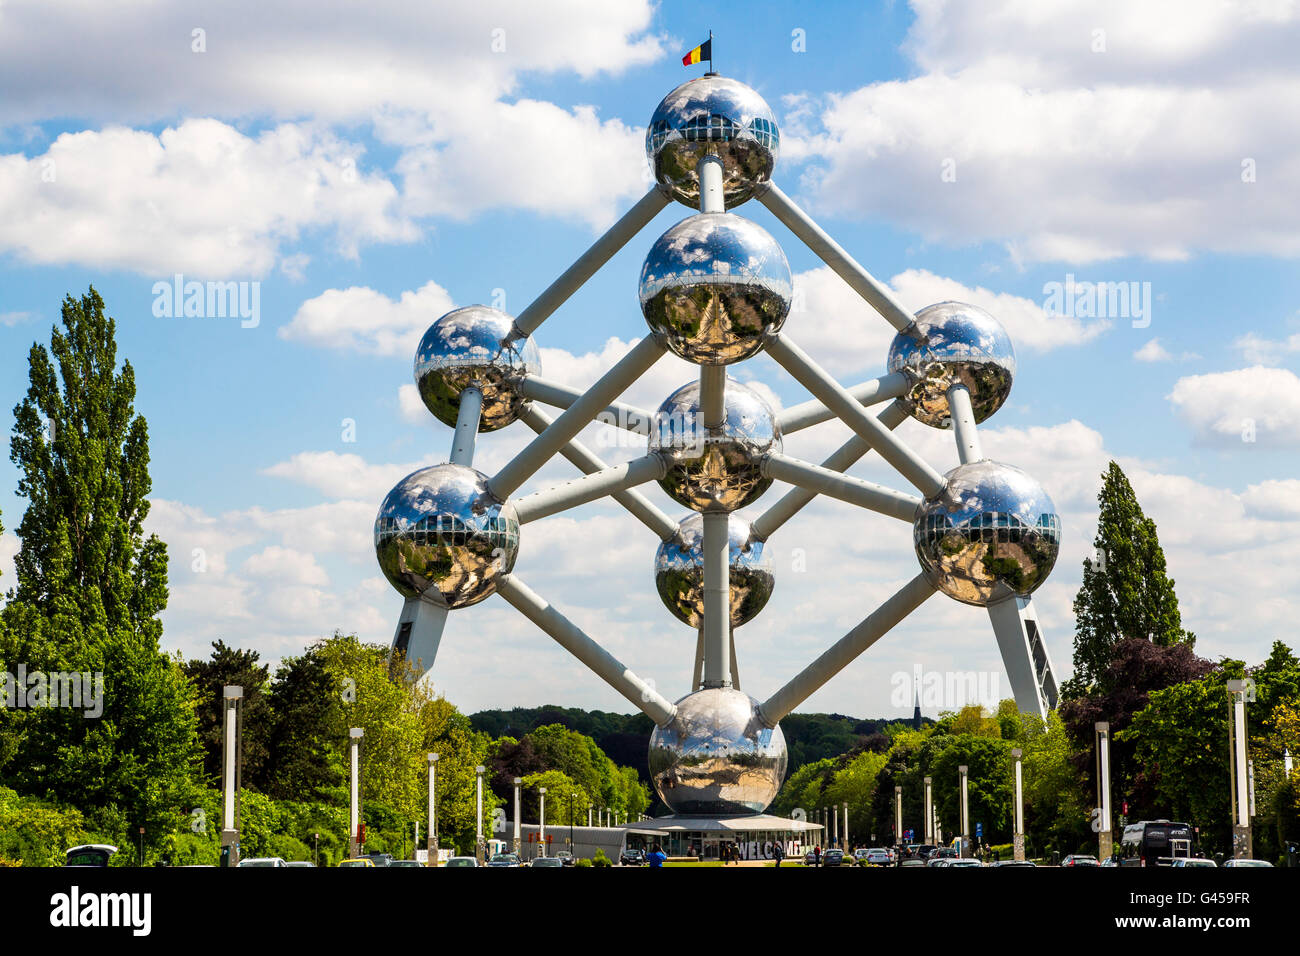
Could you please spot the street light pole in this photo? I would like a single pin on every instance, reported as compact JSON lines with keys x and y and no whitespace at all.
{"x":1241,"y":837}
{"x":518,"y":782}
{"x":541,"y":821}
{"x":572,"y":797}
{"x":963,"y":770}
{"x":432,"y":836}
{"x":354,"y":818}
{"x":478,"y":813}
{"x":929,"y":813}
{"x":898,"y":816}
{"x":1018,"y":834}
{"x":1105,"y":844}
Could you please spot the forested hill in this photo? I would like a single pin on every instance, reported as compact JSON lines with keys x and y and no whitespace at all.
{"x":624,"y":737}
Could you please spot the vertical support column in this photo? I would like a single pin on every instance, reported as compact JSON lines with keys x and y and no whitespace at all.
{"x":541,"y":821}
{"x":929,"y":813}
{"x":709,"y":170}
{"x":432,"y":836}
{"x":589,"y":808}
{"x":467,"y":418}
{"x":232,"y":752}
{"x":898,"y":818}
{"x":713,"y":395}
{"x":716,"y":549}
{"x":1104,"y":837}
{"x":963,"y":425}
{"x":518,"y":781}
{"x":478,"y":814}
{"x":1241,"y":836}
{"x":1018,"y":824}
{"x":964,"y":772}
{"x":354,"y":812}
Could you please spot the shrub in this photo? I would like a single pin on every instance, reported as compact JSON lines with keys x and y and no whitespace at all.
{"x":600,"y":859}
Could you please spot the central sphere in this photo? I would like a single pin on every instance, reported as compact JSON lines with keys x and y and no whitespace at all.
{"x":715,"y":469}
{"x":679,"y":571}
{"x":474,"y":346}
{"x":440,"y":535}
{"x":991,"y":533}
{"x":951,"y":344}
{"x":714,"y":287}
{"x":713,"y":115}
{"x":716,"y":756}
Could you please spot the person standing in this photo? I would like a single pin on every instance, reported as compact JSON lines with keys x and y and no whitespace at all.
{"x":778,"y":853}
{"x":656,"y":856}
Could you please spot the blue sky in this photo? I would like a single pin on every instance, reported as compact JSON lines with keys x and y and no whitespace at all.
{"x":372,"y":170}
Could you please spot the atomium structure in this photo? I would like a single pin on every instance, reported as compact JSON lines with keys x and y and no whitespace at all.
{"x":716,"y":290}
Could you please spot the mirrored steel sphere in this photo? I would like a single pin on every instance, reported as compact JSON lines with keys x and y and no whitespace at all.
{"x":441,"y":535}
{"x":714,"y":287}
{"x":954,"y":343}
{"x":679,"y":571}
{"x":719,"y":469}
{"x":991,"y":533}
{"x":472,"y":346}
{"x":713,"y":114}
{"x":716,"y":757}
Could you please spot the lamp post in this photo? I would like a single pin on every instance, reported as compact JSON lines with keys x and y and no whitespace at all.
{"x":1238,"y":766}
{"x":478,"y":813}
{"x":354,"y":758}
{"x":846,"y":825}
{"x":963,"y":772}
{"x":898,"y":816}
{"x":1018,"y":834}
{"x":232,"y":754}
{"x":1104,"y":836}
{"x":541,"y":821}
{"x":572,"y":797}
{"x":518,"y":781}
{"x":929,"y":813}
{"x":432,"y":836}
{"x":589,"y":808}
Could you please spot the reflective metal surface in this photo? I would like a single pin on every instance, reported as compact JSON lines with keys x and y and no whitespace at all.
{"x":714,"y":287}
{"x":991,"y":533}
{"x":713,"y":114}
{"x":716,"y":756}
{"x":954,"y":343}
{"x":467,"y":347}
{"x":440,"y":535}
{"x":715,"y":469}
{"x":679,"y":571}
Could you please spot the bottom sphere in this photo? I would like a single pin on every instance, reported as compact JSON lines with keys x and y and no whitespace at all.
{"x":716,"y":757}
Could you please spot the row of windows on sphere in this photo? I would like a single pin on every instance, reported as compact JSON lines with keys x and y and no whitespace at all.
{"x":715,"y":128}
{"x":451,"y":531}
{"x":992,"y":526}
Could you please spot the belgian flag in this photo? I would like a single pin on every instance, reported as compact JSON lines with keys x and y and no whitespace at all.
{"x":701,"y":53}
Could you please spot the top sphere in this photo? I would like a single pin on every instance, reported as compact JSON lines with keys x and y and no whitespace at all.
{"x":713,"y":114}
{"x":953,"y":343}
{"x":473,"y":346}
{"x":714,"y":288}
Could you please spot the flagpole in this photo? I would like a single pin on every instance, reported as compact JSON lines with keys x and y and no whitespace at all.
{"x":710,"y":51}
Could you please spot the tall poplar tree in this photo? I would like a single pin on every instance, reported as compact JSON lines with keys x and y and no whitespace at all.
{"x":90,"y":584}
{"x":1126,"y":591}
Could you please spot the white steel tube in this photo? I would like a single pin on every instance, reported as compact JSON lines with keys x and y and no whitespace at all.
{"x":713,"y":397}
{"x":588,"y":463}
{"x":965,"y":809}
{"x":228,"y":784}
{"x":898,"y":816}
{"x":579,"y":491}
{"x":876,"y":293}
{"x":709,"y":170}
{"x":864,"y":494}
{"x":569,"y":636}
{"x":601,"y":251}
{"x":1020,"y":796}
{"x":433,"y":810}
{"x":462,"y":446}
{"x":801,"y":416}
{"x":618,"y":414}
{"x":518,"y":783}
{"x":1103,"y":763}
{"x":1239,"y":746}
{"x":575,"y":418}
{"x":963,"y":425}
{"x":844,"y":651}
{"x":929,"y":813}
{"x":841,"y":459}
{"x":715,"y":551}
{"x":912,"y":467}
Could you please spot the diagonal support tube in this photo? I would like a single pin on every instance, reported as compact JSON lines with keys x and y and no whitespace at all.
{"x":963,"y":425}
{"x":638,"y":504}
{"x":601,"y":251}
{"x":844,"y":651}
{"x":876,"y":293}
{"x":798,"y":417}
{"x":812,"y":377}
{"x":841,"y":459}
{"x":579,"y":491}
{"x":462,"y":444}
{"x":569,"y":636}
{"x":864,"y":494}
{"x":575,"y":418}
{"x":618,"y":414}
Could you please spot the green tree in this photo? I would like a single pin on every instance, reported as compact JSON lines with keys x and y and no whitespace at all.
{"x":304,"y":700}
{"x":1126,"y":592}
{"x":230,"y":666}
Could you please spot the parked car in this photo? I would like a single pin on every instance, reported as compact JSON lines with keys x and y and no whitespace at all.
{"x":380,"y":859}
{"x":964,"y":861}
{"x":547,"y":861}
{"x":565,"y":858}
{"x":1080,"y":859}
{"x":937,"y":861}
{"x":1196,"y":861}
{"x":508,"y":859}
{"x":462,"y":861}
{"x":1246,"y":863}
{"x":301,"y":863}
{"x":876,"y":856}
{"x":89,"y":854}
{"x":362,"y":861}
{"x":912,"y":862}
{"x":406,"y":863}
{"x":832,"y":857}
{"x":263,"y":861}
{"x":810,"y":858}
{"x":632,"y":857}
{"x":1112,"y":860}
{"x":1014,"y":863}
